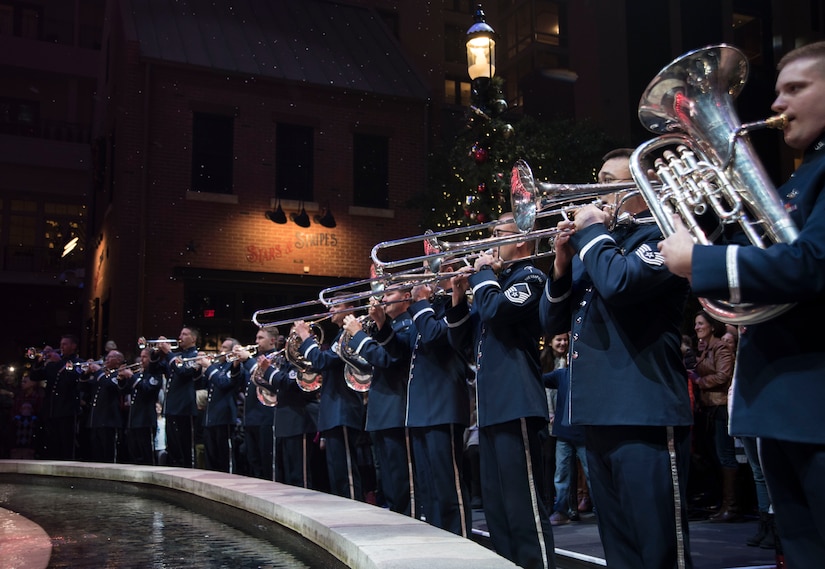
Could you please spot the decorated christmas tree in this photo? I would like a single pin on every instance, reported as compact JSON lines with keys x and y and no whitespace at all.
{"x":470,"y":181}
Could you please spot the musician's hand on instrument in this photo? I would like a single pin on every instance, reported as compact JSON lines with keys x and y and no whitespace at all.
{"x":677,"y":250}
{"x":125,"y":373}
{"x":485,"y":259}
{"x":459,"y":284}
{"x":263,"y":363}
{"x":351,"y":324}
{"x":422,"y":292}
{"x":164,"y":347}
{"x":302,"y":329}
{"x":588,"y":215}
{"x":240,"y":354}
{"x":378,"y":313}
{"x":203,"y":361}
{"x":562,"y":249}
{"x":94,"y":367}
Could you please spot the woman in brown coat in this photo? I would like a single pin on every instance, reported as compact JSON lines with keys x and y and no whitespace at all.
{"x":714,"y":371}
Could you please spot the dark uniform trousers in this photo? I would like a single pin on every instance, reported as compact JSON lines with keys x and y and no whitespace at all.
{"x":391,"y":451}
{"x":341,"y":450}
{"x":619,"y":453}
{"x":516,"y":444}
{"x":794,"y":473}
{"x":179,"y":440}
{"x":438,"y":453}
{"x":297,"y":453}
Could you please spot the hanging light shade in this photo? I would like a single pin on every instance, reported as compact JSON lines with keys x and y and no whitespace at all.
{"x":277,"y":216}
{"x":301,"y":219}
{"x":326,"y":220}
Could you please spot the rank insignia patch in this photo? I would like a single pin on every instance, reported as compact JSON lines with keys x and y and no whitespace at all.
{"x":518,"y":293}
{"x":650,"y":256}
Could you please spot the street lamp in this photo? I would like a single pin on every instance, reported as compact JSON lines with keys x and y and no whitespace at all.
{"x":481,"y":66}
{"x":481,"y":49}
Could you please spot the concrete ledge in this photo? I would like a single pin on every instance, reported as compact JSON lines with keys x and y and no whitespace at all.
{"x":358,"y":534}
{"x":25,"y":545}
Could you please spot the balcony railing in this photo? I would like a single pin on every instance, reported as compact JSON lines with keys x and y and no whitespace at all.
{"x":37,"y":260}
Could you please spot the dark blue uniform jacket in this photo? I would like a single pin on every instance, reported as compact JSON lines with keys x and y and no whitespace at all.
{"x":437,"y":392}
{"x":143,"y":390}
{"x":623,"y":309}
{"x":779,"y":380}
{"x":503,"y":329}
{"x":221,"y":382}
{"x":255,"y":413}
{"x":388,"y":390}
{"x":340,"y":405}
{"x":104,"y":400}
{"x":180,"y":381}
{"x":297,"y":409}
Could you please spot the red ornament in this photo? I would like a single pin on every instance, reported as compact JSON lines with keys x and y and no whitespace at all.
{"x":482,"y":187}
{"x":481,"y":218}
{"x":479,"y":153}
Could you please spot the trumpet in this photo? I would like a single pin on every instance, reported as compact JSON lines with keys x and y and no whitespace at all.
{"x":144,"y":343}
{"x":227,"y":356}
{"x":81,"y":367}
{"x":33,"y":353}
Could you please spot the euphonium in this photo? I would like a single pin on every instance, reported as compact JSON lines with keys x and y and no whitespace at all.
{"x":711,"y":176}
{"x":308,"y":379}
{"x":264,"y":395}
{"x":358,"y":372}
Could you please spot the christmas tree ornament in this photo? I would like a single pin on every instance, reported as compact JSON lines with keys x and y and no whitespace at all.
{"x":479,"y":154}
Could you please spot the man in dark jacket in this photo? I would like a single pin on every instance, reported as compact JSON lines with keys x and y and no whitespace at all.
{"x":778,"y":386}
{"x":627,"y":381}
{"x":502,"y":331}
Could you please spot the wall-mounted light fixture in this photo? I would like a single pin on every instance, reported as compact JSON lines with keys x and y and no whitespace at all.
{"x":301,"y":219}
{"x":326,"y":220}
{"x":277,"y":215}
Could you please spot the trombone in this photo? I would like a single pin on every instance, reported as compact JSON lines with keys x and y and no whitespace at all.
{"x":256,"y":316}
{"x":144,"y":343}
{"x":530,"y":201}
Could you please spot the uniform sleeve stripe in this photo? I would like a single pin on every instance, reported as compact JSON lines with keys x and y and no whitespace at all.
{"x":489,"y":282}
{"x":593,"y":242}
{"x":423,"y":311}
{"x":733,"y":274}
{"x":312,"y":346}
{"x":459,"y":322}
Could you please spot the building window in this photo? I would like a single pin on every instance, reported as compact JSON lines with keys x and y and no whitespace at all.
{"x":294,"y":161}
{"x":64,"y":222}
{"x":457,"y":92}
{"x":212,"y":142}
{"x":455,"y":45}
{"x":18,"y":116}
{"x":371,"y":170}
{"x":6,"y":19}
{"x":23,"y":20}
{"x":547,"y":24}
